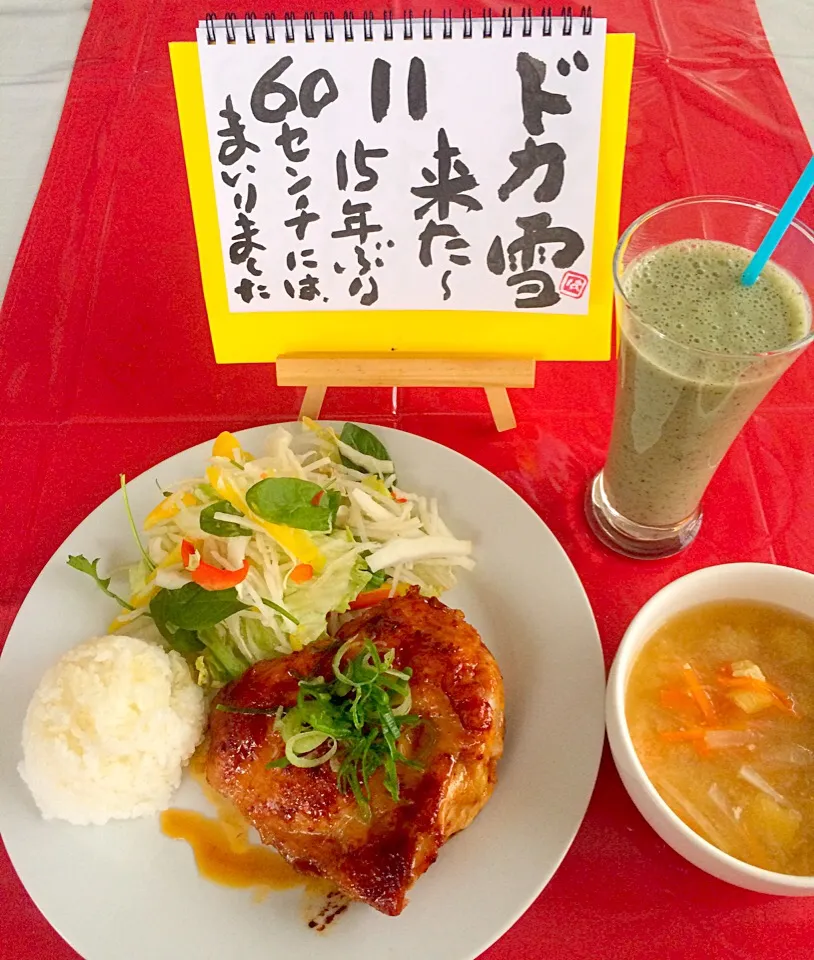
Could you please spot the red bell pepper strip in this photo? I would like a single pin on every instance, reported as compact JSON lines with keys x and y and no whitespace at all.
{"x":208,"y":576}
{"x":371,"y":598}
{"x":187,"y":550}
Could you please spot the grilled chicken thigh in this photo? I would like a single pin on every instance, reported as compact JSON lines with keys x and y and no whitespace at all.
{"x":456,"y":689}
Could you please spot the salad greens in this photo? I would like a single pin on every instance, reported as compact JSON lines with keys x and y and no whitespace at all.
{"x":255,"y":557}
{"x":181,"y":639}
{"x":292,"y":502}
{"x":282,"y":611}
{"x":363,"y":441}
{"x":356,"y":718}
{"x":191,"y":607}
{"x":222,"y":528}
{"x":147,"y":559}
{"x":83,"y":565}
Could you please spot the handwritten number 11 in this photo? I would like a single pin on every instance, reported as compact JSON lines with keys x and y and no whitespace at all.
{"x":416,"y":89}
{"x":312,"y":105}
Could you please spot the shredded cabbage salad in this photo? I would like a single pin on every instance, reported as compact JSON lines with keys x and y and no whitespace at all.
{"x":254,"y":558}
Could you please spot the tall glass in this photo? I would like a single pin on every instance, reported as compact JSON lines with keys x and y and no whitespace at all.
{"x":679,"y":407}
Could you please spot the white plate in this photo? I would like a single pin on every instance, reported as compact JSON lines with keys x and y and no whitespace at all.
{"x":126,"y":891}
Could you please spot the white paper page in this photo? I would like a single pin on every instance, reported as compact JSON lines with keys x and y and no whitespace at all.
{"x":465,"y":252}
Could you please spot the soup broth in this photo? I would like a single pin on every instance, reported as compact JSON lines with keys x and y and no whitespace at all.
{"x":720,"y":708}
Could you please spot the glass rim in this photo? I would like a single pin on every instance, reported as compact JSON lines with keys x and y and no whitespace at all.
{"x":621,"y":246}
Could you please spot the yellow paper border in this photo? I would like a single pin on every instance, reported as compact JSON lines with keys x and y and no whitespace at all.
{"x":262,"y":337}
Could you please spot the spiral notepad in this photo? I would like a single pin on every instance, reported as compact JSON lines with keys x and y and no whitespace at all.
{"x":410,"y":167}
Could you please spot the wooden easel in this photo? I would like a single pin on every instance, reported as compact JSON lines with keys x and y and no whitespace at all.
{"x":318,"y":371}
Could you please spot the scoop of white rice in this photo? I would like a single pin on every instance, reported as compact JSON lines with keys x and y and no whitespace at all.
{"x":109,"y":730}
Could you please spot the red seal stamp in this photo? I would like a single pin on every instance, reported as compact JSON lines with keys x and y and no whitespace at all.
{"x":573,"y":284}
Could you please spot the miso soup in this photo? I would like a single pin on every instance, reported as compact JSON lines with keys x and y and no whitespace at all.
{"x":720,"y":707}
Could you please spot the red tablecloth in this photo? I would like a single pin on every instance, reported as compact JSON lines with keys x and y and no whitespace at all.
{"x":106,"y":366}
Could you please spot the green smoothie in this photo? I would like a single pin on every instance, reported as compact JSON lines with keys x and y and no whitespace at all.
{"x":688,"y":378}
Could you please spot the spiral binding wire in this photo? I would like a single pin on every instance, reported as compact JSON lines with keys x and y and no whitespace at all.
{"x":525,"y":22}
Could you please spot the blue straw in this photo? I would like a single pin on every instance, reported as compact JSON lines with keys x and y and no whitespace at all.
{"x":775,"y":232}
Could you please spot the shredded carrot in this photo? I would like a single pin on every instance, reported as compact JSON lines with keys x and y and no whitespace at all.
{"x":745,"y":683}
{"x":302,"y":573}
{"x":781,"y":698}
{"x":700,"y":695}
{"x":696,"y":736}
{"x":676,"y":699}
{"x":679,"y":736}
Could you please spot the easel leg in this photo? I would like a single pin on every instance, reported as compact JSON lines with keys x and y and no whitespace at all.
{"x":312,"y":401}
{"x":317,"y":372}
{"x":501,"y":407}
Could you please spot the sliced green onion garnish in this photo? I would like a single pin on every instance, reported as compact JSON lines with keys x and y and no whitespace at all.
{"x":404,"y":707}
{"x":301,"y":744}
{"x":361,"y":713}
{"x":337,"y":660}
{"x":278,"y":763}
{"x":281,"y":611}
{"x":249,"y":711}
{"x":356,"y":717}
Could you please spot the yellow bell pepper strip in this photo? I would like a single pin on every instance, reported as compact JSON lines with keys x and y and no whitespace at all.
{"x":375,"y":483}
{"x":324,"y":433}
{"x":208,"y":576}
{"x":142,"y":597}
{"x":118,"y":622}
{"x":168,"y":508}
{"x":225,"y":446}
{"x":296,"y":542}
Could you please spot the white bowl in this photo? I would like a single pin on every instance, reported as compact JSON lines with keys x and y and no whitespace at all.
{"x":783,"y":586}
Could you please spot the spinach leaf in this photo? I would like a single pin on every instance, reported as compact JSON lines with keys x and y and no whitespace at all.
{"x":222,"y":528}
{"x":332,"y":500}
{"x":83,"y":565}
{"x":193,"y":608}
{"x":363,"y":441}
{"x":183,"y":641}
{"x":290,"y":501}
